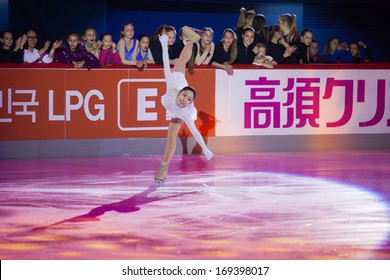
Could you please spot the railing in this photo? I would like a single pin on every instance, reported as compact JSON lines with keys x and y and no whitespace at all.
{"x":44,"y":102}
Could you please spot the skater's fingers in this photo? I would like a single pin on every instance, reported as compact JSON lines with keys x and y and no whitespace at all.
{"x":212,"y":159}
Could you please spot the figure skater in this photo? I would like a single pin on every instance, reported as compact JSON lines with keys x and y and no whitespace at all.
{"x":179,"y":99}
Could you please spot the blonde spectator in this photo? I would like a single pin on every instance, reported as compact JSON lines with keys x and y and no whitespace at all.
{"x":89,"y":41}
{"x":244,"y":20}
{"x":225,"y":52}
{"x":288,"y":27}
{"x":205,"y":47}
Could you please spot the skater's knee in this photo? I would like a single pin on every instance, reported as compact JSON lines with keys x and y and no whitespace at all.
{"x":177,"y":120}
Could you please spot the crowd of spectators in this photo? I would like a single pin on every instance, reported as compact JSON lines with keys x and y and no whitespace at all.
{"x":252,"y":41}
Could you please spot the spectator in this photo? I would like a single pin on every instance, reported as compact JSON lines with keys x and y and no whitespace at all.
{"x":288,"y":27}
{"x":355,"y":47}
{"x":261,"y":59}
{"x":10,"y":52}
{"x":314,"y":57}
{"x":73,"y":53}
{"x":144,"y":55}
{"x":225,"y":52}
{"x":245,"y":53}
{"x":205,"y":47}
{"x":89,"y":41}
{"x":155,"y":45}
{"x":32,"y":54}
{"x":127,"y":44}
{"x":251,"y":9}
{"x":306,"y":39}
{"x":108,"y":52}
{"x":275,"y":47}
{"x":259,"y":24}
{"x":244,"y":20}
{"x":336,"y":52}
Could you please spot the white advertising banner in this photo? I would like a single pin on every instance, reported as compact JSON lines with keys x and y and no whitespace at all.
{"x":298,"y":102}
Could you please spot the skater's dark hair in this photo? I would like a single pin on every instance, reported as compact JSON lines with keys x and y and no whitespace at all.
{"x":191,"y":89}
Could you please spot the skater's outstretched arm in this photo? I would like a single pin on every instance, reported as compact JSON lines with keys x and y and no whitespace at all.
{"x":198,"y":137}
{"x":167,"y":68}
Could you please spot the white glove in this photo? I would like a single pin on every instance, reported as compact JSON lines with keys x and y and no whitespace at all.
{"x":163,"y":39}
{"x":209,"y":155}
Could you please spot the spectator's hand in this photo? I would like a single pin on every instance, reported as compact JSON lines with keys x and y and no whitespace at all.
{"x":81,"y":64}
{"x":100,"y":43}
{"x":47,"y":45}
{"x":96,"y":45}
{"x":292,"y":49}
{"x":24,"y":40}
{"x":113,"y":46}
{"x":361,"y":44}
{"x":57,"y":44}
{"x":18,"y":43}
{"x":343,"y":46}
{"x":289,"y":51}
{"x":78,"y":64}
{"x":281,"y":41}
{"x":139,"y":64}
{"x":229,"y":69}
{"x":268,"y":65}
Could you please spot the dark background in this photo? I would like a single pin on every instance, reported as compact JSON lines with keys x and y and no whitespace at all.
{"x":348,"y":20}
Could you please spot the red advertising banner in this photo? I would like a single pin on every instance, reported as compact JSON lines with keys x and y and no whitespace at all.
{"x":58,"y":103}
